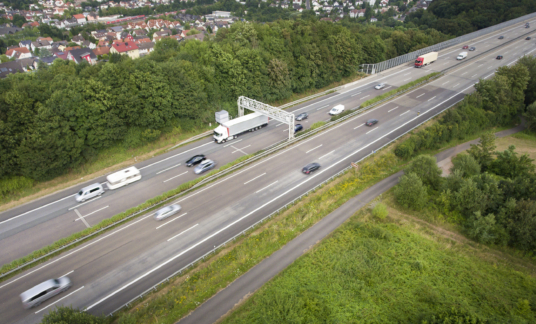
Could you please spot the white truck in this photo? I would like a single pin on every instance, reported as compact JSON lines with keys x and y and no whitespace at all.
{"x":461,"y":56}
{"x":426,"y":59}
{"x":232,"y":128}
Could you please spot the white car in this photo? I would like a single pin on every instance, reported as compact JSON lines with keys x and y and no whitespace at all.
{"x":204,"y":166}
{"x":336,"y":110}
{"x":380,"y":86}
{"x":167,"y":211}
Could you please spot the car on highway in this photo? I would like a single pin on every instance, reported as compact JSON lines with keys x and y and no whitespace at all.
{"x":472,"y":48}
{"x":43,"y":291}
{"x":527,"y":26}
{"x":204,"y":166}
{"x":528,"y":38}
{"x":297,"y":128}
{"x":89,"y":192}
{"x":501,"y":37}
{"x":310,"y":167}
{"x":499,"y":57}
{"x":167,"y":211}
{"x":302,"y":116}
{"x":371,"y":122}
{"x":465,"y":47}
{"x":196,"y":159}
{"x":380,"y":86}
{"x":336,"y":110}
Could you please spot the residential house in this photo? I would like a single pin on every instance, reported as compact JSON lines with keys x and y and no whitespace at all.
{"x":92,"y":17}
{"x":48,"y":60}
{"x":41,"y":44}
{"x":10,"y":68}
{"x":78,"y":39}
{"x":101,"y":50}
{"x":18,"y":53}
{"x":8,"y":31}
{"x":139,"y":32}
{"x":80,"y":19}
{"x":198,"y":37}
{"x":145,"y":48}
{"x":356,"y":13}
{"x":159,"y":35}
{"x":26,"y":43}
{"x":80,"y":54}
{"x":61,"y":55}
{"x":373,"y":19}
{"x":89,"y":44}
{"x":127,"y":48}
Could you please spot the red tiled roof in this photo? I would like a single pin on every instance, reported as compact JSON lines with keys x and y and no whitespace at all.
{"x":18,"y":49}
{"x":125,"y":47}
{"x":79,"y":16}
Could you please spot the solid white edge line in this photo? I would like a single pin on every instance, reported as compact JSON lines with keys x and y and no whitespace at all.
{"x":405,"y":112}
{"x":267,"y":186}
{"x":314,"y":148}
{"x":68,"y":273}
{"x":420,"y":95}
{"x":359,"y":126}
{"x":235,"y":142}
{"x":87,"y":202}
{"x":262,"y":206}
{"x":260,"y":175}
{"x":328,"y":153}
{"x":175,"y":155}
{"x":175,"y":176}
{"x":14,"y":217}
{"x":171,"y":220}
{"x":98,"y":210}
{"x":372,"y":130}
{"x":176,"y":165}
{"x":182,"y":232}
{"x":431,"y":98}
{"x":57,"y":301}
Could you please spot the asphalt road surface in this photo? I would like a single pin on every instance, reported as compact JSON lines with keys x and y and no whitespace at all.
{"x":112,"y":269}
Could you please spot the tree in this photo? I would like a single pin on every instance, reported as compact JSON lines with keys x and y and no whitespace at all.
{"x":522,"y":225}
{"x":530,"y":63}
{"x":509,"y":165}
{"x":483,"y":151}
{"x":64,"y":314}
{"x":410,"y":192}
{"x":469,"y":199}
{"x":425,"y":167}
{"x":530,"y":117}
{"x":466,"y":164}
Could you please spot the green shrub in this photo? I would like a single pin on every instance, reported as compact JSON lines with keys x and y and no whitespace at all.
{"x":410,"y":192}
{"x":380,"y":211}
{"x":67,"y":314}
{"x":317,"y":124}
{"x":14,"y":184}
{"x":344,"y":113}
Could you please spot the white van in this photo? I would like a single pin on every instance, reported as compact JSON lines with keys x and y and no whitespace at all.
{"x":43,"y":291}
{"x":462,"y":55}
{"x":89,"y":192}
{"x":123,"y":177}
{"x":336,"y":110}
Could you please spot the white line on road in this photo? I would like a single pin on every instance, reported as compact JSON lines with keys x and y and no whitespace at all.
{"x":355,"y":94}
{"x":57,"y":301}
{"x":279,"y":124}
{"x":407,"y":74}
{"x":392,"y":109}
{"x":404,"y":113}
{"x":12,"y":218}
{"x":479,"y":66}
{"x":314,"y":148}
{"x":422,"y":94}
{"x":83,"y":218}
{"x":255,"y":178}
{"x":176,"y":155}
{"x":489,"y":67}
{"x":171,"y":220}
{"x":407,"y":79}
{"x":465,"y":73}
{"x":474,"y":75}
{"x":87,"y":202}
{"x":487,"y":76}
{"x":266,"y":186}
{"x":323,"y":107}
{"x":431,"y":98}
{"x":372,"y":130}
{"x":364,"y":97}
{"x":387,"y":87}
{"x":181,"y":233}
{"x":445,"y":83}
{"x":68,"y":273}
{"x":175,"y":176}
{"x":176,"y":165}
{"x":327,"y":154}
{"x":240,"y":149}
{"x":457,"y":84}
{"x":234,"y":142}
{"x":360,"y":126}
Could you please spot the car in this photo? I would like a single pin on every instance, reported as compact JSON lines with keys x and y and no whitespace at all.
{"x":336,"y":110}
{"x":302,"y":116}
{"x":297,"y":128}
{"x":196,"y":159}
{"x":527,"y":26}
{"x":310,"y":167}
{"x":43,"y":291}
{"x":472,"y":48}
{"x":371,"y":122}
{"x":465,"y":47}
{"x":528,"y":38}
{"x":501,"y":37}
{"x":380,"y":86}
{"x":167,"y":211}
{"x":204,"y":166}
{"x":499,"y":57}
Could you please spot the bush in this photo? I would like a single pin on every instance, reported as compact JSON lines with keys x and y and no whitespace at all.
{"x":380,"y":211}
{"x":317,"y":124}
{"x":425,"y":167}
{"x":410,"y":192}
{"x":344,"y":113}
{"x":64,"y":314}
{"x":466,"y":165}
{"x":14,"y":184}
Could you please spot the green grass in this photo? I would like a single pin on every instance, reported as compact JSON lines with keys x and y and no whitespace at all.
{"x":373,"y":271}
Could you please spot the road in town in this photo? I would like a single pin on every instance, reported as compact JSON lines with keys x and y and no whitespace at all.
{"x":117,"y":266}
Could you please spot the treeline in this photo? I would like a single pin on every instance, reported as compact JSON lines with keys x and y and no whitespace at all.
{"x":492,"y":194}
{"x":459,"y":17}
{"x":63,"y":115}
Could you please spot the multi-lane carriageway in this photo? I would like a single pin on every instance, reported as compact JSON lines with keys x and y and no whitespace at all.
{"x":117,"y":266}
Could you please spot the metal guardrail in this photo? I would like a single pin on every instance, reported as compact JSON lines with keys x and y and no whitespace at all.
{"x":259,"y":222}
{"x":385,"y":65}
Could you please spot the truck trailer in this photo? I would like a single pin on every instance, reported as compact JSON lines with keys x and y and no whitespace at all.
{"x":426,"y":59}
{"x":234,"y":127}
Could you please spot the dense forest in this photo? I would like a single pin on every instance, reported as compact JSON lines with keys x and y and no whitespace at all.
{"x":62,"y":115}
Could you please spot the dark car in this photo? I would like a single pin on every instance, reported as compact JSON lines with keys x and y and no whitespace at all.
{"x":297,"y":128}
{"x":371,"y":122}
{"x":302,"y":116}
{"x":501,"y":37}
{"x":499,"y":57}
{"x":528,"y":38}
{"x":465,"y":47}
{"x":527,"y":26}
{"x":310,"y":168}
{"x":472,"y":48}
{"x":196,"y":159}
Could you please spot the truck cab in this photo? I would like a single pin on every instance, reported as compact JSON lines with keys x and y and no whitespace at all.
{"x":461,"y":56}
{"x":221,"y":134}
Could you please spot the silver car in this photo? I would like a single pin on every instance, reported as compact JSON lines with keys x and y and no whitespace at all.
{"x":204,"y":166}
{"x":166,"y":212}
{"x":380,"y":86}
{"x":43,"y":291}
{"x":302,"y":116}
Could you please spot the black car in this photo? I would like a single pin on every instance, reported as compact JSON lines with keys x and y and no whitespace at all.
{"x":310,"y":168}
{"x":528,"y":38}
{"x":499,"y":57}
{"x":472,"y":48}
{"x":371,"y":122}
{"x":501,"y":37}
{"x":196,"y":159}
{"x":297,"y":128}
{"x":302,"y":116}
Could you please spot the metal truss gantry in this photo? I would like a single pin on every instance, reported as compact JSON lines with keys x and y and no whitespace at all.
{"x":272,"y":112}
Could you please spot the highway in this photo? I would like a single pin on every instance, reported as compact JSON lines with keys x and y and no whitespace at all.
{"x":117,"y":266}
